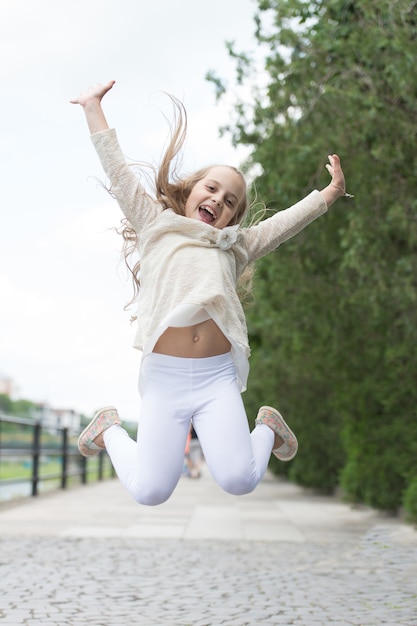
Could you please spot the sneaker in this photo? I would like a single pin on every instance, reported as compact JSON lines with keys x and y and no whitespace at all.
{"x":103,"y":419}
{"x":272,"y":418}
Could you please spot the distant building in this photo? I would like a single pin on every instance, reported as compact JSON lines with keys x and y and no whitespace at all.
{"x":57,"y":418}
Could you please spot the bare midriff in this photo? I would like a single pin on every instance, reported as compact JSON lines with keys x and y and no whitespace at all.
{"x":195,"y":342}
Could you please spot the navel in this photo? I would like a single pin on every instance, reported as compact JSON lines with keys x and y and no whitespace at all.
{"x":196,"y":338}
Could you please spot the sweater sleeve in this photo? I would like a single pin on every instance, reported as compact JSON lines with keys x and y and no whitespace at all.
{"x":137,"y":205}
{"x":270,"y":233}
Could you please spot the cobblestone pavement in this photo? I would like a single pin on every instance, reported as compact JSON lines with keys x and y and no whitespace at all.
{"x":278,"y":556}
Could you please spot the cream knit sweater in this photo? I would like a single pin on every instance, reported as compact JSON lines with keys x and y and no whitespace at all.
{"x":189,"y":269}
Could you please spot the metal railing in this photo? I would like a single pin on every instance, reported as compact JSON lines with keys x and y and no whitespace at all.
{"x":28,"y":444}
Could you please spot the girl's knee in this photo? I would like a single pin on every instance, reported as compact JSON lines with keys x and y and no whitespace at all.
{"x":151,"y":495}
{"x":238,"y":485}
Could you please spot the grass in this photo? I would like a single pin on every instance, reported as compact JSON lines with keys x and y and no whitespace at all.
{"x":23,"y":469}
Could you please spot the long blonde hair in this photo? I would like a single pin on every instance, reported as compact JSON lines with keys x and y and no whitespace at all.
{"x":172,"y":190}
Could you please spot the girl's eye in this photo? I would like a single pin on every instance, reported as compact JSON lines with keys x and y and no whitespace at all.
{"x":230,"y":202}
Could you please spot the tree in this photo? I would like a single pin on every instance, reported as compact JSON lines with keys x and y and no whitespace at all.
{"x":334,"y":327}
{"x":6,"y":404}
{"x":18,"y":408}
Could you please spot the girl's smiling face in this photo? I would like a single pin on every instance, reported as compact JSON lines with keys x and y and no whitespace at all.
{"x":215,"y":198}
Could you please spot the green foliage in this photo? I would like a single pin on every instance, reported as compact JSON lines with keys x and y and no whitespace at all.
{"x":334,"y":327}
{"x":410,"y":499}
{"x":23,"y":408}
{"x":6,"y":403}
{"x":17,"y":408}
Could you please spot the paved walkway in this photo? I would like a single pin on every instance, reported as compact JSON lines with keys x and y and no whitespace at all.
{"x":278,"y":556}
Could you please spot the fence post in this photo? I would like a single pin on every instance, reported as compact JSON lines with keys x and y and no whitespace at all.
{"x":64,"y":458}
{"x":84,"y":470}
{"x":35,"y":457}
{"x":100,"y":466}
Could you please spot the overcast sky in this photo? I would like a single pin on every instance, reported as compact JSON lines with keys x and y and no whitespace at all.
{"x":64,"y":336}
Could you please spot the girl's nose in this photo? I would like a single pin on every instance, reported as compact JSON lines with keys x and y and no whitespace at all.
{"x":217,"y":201}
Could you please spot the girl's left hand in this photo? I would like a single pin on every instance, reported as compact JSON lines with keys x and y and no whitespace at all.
{"x":335,"y":170}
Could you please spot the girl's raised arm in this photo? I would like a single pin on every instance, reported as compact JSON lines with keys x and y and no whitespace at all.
{"x":90,"y":100}
{"x":124,"y":183}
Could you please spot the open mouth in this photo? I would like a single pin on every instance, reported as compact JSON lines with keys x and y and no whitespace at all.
{"x":207,"y":214}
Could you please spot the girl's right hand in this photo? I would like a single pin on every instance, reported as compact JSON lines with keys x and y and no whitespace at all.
{"x":95,"y":93}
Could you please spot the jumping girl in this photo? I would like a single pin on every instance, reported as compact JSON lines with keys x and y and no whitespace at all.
{"x":193,"y":252}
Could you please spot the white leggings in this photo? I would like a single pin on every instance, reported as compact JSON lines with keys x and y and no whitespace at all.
{"x":175,"y":391}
